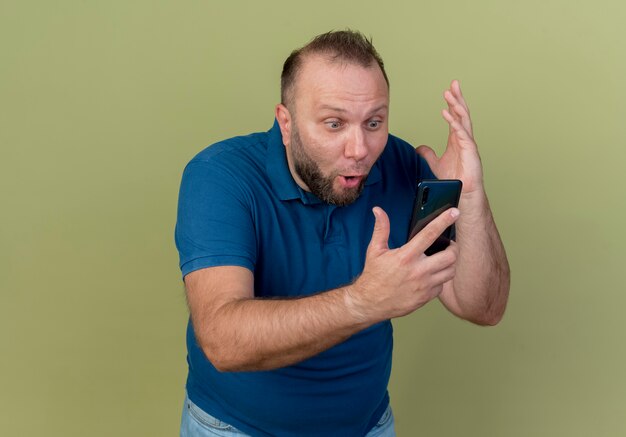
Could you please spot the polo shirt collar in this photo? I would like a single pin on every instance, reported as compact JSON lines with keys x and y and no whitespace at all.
{"x":282,"y":181}
{"x":277,"y":167}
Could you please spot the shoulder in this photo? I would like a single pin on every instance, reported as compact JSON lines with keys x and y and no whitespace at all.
{"x":248,"y":148}
{"x":228,"y":169}
{"x":239,"y":158}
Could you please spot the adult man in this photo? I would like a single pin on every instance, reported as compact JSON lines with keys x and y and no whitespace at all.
{"x":291,"y":280}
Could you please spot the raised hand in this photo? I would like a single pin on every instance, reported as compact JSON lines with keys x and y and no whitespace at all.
{"x":460,"y":160}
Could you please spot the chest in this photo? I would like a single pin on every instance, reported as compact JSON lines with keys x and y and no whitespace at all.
{"x":308,"y":248}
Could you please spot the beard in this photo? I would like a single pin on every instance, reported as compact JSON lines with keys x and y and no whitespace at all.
{"x":320,"y":185}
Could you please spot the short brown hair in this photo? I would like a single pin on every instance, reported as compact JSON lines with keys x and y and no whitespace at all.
{"x":343,"y":46}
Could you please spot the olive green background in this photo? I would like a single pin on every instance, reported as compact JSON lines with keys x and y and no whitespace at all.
{"x":103,"y":103}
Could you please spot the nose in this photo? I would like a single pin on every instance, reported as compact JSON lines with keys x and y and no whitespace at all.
{"x":356,"y":146}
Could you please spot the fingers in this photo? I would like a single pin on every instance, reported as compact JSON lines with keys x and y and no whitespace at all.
{"x":457,"y":128}
{"x":380,"y":235}
{"x":441,"y":267}
{"x":427,"y":236}
{"x":443,"y":276}
{"x":457,"y":106}
{"x":455,"y":87}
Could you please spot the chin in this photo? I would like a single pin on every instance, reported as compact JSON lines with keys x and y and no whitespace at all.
{"x":346,"y":196}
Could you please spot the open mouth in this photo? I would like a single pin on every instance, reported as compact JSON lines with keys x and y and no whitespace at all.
{"x":351,"y":181}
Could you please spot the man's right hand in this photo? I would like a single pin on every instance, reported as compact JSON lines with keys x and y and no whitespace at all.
{"x":396,"y":282}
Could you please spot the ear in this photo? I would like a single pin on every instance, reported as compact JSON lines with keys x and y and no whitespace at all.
{"x":283,"y":116}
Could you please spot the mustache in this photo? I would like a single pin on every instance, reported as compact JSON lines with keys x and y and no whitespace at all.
{"x":360,"y":170}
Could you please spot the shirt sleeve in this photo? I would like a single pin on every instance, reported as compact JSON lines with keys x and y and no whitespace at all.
{"x":214,"y":225}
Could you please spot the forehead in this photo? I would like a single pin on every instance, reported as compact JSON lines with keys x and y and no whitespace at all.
{"x":322,"y":81}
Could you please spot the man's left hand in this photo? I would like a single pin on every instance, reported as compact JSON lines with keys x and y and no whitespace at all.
{"x":460,"y":160}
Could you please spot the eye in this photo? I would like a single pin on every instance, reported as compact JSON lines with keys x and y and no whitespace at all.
{"x":373,"y":124}
{"x":334,"y":124}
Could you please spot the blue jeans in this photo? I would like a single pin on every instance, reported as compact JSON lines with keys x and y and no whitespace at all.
{"x":196,"y":423}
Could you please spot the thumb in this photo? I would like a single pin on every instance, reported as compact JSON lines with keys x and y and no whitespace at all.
{"x":428,"y":154}
{"x":380,"y":235}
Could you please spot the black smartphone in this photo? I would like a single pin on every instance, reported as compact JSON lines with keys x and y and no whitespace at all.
{"x":433,"y":197}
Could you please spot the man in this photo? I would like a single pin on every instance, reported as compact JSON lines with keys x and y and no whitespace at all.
{"x":292,"y":281}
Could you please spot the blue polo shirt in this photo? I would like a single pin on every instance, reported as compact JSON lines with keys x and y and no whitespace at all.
{"x":239,"y":205}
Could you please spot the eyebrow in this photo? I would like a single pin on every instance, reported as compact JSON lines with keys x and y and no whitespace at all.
{"x":341,"y":110}
{"x":332,"y":108}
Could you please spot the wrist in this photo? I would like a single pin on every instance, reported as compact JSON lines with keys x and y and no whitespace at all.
{"x":355,"y":305}
{"x":474,"y":206}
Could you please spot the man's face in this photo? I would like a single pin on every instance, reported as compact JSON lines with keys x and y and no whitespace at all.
{"x":336,"y":127}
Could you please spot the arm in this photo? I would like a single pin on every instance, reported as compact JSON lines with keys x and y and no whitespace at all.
{"x":238,"y":332}
{"x":479,"y":290}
